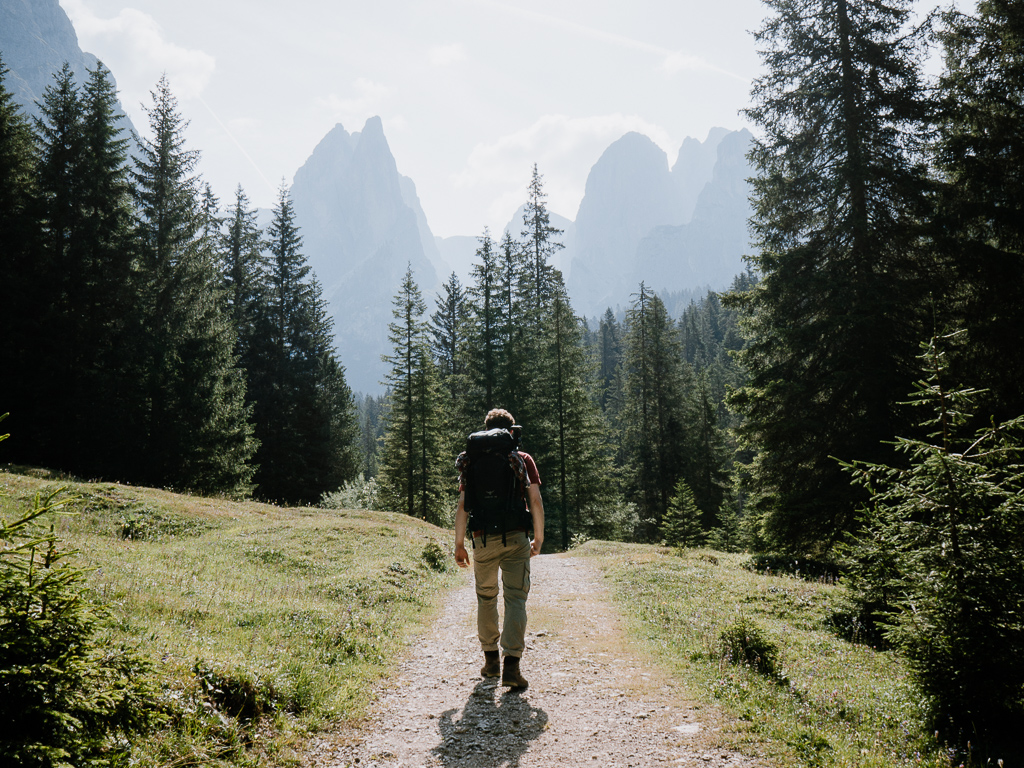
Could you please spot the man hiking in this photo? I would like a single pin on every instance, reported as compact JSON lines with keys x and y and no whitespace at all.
{"x":499,"y":502}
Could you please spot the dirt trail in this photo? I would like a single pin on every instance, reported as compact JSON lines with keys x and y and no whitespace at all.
{"x":593,"y":698}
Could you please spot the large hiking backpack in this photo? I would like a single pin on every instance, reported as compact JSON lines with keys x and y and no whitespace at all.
{"x":494,"y":497}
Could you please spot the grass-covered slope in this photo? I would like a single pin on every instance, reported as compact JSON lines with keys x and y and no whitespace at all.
{"x":775,"y":651}
{"x":261,"y":623}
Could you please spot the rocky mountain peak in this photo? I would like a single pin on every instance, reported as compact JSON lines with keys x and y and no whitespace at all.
{"x":362,"y":226}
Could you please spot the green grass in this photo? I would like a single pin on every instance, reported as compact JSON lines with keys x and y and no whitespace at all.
{"x":822,"y":701}
{"x":263,"y":623}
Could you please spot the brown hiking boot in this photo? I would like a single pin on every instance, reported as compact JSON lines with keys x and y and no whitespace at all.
{"x":492,"y":664}
{"x":511,"y":676}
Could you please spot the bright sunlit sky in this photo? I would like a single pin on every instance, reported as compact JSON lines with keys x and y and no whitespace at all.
{"x":471,"y":92}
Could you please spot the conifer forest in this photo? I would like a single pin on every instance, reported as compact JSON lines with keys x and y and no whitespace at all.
{"x":856,"y":396}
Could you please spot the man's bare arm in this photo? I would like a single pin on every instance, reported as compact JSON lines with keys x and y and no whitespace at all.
{"x":537,"y":513}
{"x":461,"y":518}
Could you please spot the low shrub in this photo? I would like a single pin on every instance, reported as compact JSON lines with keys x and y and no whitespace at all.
{"x":744,"y":642}
{"x":435,"y":557}
{"x":68,"y":695}
{"x":236,"y":692}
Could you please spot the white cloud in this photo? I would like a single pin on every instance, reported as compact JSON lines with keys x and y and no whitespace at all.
{"x":677,"y":62}
{"x":133,"y":46}
{"x":564,"y":148}
{"x":446,"y":55}
{"x":365,"y":99}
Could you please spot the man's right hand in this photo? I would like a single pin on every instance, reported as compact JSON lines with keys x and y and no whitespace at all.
{"x":461,"y":556}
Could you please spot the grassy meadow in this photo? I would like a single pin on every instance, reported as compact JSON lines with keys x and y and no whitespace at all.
{"x":808,"y":692}
{"x":262,"y":624}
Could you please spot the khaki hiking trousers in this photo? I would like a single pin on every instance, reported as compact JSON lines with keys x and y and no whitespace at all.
{"x":513,"y":559}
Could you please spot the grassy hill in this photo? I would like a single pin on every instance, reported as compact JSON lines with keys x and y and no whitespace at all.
{"x":261,"y":623}
{"x":777,"y":650}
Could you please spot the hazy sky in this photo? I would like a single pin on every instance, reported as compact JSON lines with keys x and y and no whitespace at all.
{"x":471,"y":92}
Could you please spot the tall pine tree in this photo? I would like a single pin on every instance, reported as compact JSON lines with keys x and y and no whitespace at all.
{"x":18,"y":230}
{"x":194,"y":418}
{"x":980,"y":222}
{"x":484,"y":343}
{"x":655,"y":411}
{"x":838,"y":198}
{"x":414,"y":472}
{"x":303,"y":409}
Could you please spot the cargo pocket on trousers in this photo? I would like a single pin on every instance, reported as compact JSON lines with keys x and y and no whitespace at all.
{"x":518,"y":577}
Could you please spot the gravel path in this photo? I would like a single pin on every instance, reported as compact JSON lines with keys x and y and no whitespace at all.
{"x":593,"y":698}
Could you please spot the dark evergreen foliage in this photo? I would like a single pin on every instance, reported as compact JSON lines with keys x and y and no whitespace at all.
{"x":483,"y":333}
{"x":416,"y":477}
{"x":656,"y":415}
{"x":839,"y":202}
{"x":371,"y":411}
{"x":303,"y":409}
{"x":939,"y":561}
{"x":19,"y":232}
{"x":68,"y":696}
{"x":447,"y":340}
{"x":682,"y":525}
{"x":980,"y":223}
{"x":194,"y":420}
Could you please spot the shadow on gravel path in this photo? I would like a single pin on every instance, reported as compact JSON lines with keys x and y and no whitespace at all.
{"x":468,"y":736}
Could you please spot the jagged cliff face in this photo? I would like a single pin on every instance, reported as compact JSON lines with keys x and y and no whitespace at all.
{"x":36,"y":38}
{"x":674,"y":230}
{"x":629,"y":191}
{"x":709,"y":249}
{"x":362,"y":225}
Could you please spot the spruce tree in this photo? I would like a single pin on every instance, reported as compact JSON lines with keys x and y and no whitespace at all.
{"x":939,"y":561}
{"x":537,"y":284}
{"x":540,"y":243}
{"x":707,"y":471}
{"x":980,"y":222}
{"x":19,"y":232}
{"x":303,"y":409}
{"x":414,"y":474}
{"x":195,"y":420}
{"x":57,"y":269}
{"x":17,"y":165}
{"x":655,"y":411}
{"x":484,"y":347}
{"x":107,"y":319}
{"x":609,"y":355}
{"x":82,"y":281}
{"x":447,"y":340}
{"x":514,"y":364}
{"x":243,"y":273}
{"x":579,"y":459}
{"x":371,"y":432}
{"x":682,"y":526}
{"x":446,"y":327}
{"x":839,"y":197}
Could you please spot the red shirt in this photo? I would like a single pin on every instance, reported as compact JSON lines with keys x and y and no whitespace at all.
{"x":531,"y":471}
{"x":531,"y":468}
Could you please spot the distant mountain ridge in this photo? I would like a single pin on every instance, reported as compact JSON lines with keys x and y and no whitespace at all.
{"x":673,"y":229}
{"x":36,"y":38}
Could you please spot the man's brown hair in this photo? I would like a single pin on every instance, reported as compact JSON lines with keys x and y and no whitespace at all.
{"x":498,"y":418}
